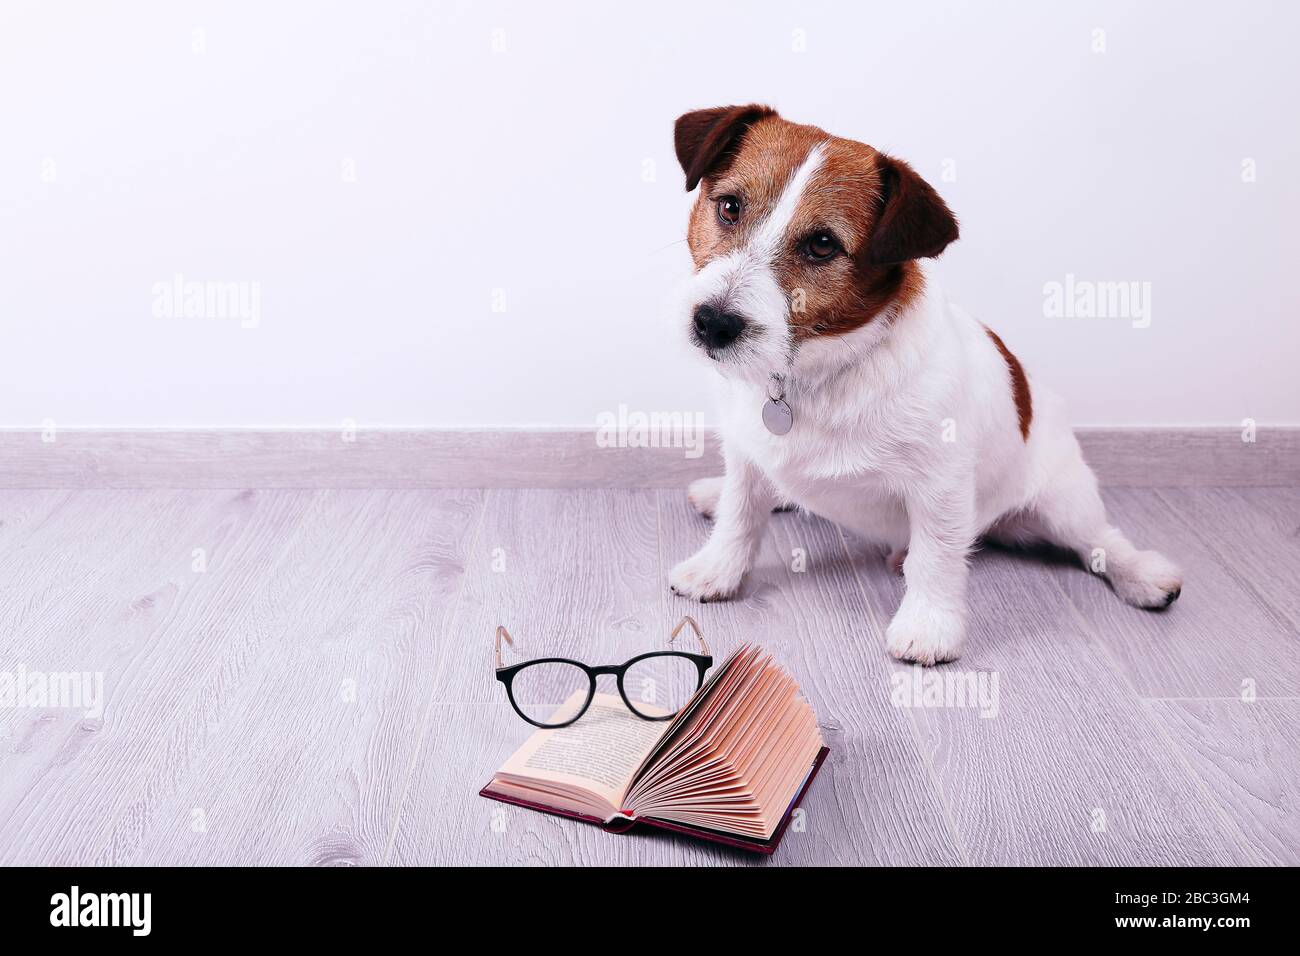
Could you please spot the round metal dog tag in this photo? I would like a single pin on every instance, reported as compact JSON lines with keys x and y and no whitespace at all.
{"x":777,"y":416}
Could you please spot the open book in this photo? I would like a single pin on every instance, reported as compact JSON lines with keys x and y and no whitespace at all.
{"x":730,"y":767}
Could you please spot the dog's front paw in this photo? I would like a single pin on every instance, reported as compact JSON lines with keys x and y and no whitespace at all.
{"x":706,"y":577}
{"x":925,"y":633}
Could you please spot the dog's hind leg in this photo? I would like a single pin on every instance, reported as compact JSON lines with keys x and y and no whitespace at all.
{"x":1070,"y":513}
{"x":743,"y":508}
{"x":703,"y":494}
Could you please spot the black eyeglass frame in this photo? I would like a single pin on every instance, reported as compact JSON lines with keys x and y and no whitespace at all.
{"x":506,"y":675}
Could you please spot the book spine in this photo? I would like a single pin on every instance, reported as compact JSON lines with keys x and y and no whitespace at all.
{"x":620,"y":822}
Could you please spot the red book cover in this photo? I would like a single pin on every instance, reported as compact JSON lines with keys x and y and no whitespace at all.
{"x":766,"y":847}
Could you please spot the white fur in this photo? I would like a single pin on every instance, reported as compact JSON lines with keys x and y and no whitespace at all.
{"x":872,"y":410}
{"x":745,"y":282}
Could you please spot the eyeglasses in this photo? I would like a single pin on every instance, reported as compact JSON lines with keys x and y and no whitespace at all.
{"x":654,"y":686}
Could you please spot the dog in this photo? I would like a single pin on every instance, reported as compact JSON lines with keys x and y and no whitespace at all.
{"x":851,"y":388}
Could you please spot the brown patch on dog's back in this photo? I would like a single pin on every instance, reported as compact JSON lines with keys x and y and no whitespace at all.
{"x":1019,"y":384}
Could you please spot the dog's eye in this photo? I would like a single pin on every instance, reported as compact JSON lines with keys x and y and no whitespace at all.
{"x":821,"y":245}
{"x":729,"y":210}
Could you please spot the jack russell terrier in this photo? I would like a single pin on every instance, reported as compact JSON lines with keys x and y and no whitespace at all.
{"x":853,"y":389}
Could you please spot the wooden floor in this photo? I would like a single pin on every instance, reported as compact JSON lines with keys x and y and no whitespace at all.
{"x":305,"y":677}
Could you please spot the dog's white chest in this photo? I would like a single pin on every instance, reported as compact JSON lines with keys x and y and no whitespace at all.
{"x":826,"y":466}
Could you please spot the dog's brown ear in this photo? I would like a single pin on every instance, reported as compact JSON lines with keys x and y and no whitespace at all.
{"x":707,"y":140}
{"x":914,"y":222}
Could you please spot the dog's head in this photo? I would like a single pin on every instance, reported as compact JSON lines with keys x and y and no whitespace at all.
{"x":796,"y":234}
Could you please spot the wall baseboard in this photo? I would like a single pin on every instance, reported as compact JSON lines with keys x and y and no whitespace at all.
{"x":541,"y":458}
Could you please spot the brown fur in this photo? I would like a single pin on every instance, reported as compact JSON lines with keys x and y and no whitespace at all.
{"x":1019,"y":384}
{"x":706,"y":139}
{"x":880,"y":211}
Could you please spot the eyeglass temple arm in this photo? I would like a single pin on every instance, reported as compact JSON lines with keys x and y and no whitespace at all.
{"x":699,"y":635}
{"x":502,"y":632}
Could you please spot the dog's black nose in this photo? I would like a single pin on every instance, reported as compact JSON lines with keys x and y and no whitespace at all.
{"x":716,"y":329}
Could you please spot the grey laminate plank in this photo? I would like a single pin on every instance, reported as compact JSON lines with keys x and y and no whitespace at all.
{"x":1248,"y":754}
{"x":57,"y":551}
{"x":66,"y":582}
{"x":82,"y":539}
{"x":116,"y":592}
{"x":571,"y":573}
{"x":21,"y":512}
{"x":325,"y":691}
{"x":1070,"y":747}
{"x":1218,"y":634}
{"x":873,"y":802}
{"x":1255,"y":533}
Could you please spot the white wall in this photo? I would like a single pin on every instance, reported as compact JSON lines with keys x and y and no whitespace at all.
{"x":127,"y":157}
